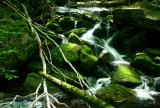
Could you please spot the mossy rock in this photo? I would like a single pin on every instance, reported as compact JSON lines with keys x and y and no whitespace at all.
{"x":17,"y":43}
{"x":126,"y":76}
{"x":118,"y":42}
{"x":142,"y":15}
{"x":78,"y":31}
{"x":89,"y":17}
{"x":73,"y":38}
{"x":87,"y":59}
{"x":70,"y":51}
{"x":129,"y":41}
{"x":146,"y":64}
{"x":152,"y":51}
{"x":115,"y":93}
{"x":32,"y":82}
{"x":54,"y":26}
{"x":135,"y":43}
{"x":157,"y":60}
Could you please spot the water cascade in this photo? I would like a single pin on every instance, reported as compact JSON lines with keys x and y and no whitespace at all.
{"x":143,"y":91}
{"x":75,"y":24}
{"x":103,"y":43}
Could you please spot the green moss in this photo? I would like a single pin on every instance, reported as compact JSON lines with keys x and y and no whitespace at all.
{"x":115,"y":93}
{"x":146,"y":64}
{"x":78,"y":31}
{"x":73,"y":38}
{"x":151,"y":10}
{"x":70,"y":51}
{"x":87,"y":59}
{"x":126,"y":76}
{"x":31,"y":83}
{"x":157,"y":59}
{"x":15,"y":34}
{"x":152,"y":51}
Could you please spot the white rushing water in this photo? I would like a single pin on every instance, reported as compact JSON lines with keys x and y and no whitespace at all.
{"x":101,"y":82}
{"x":102,"y":43}
{"x":144,"y":92}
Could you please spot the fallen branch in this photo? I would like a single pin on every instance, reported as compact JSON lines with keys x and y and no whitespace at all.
{"x":77,"y":92}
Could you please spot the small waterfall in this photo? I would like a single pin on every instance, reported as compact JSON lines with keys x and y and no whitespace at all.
{"x":103,"y":43}
{"x":144,"y":92}
{"x":75,"y":24}
{"x":88,"y":36}
{"x":107,"y":28}
{"x":102,"y":82}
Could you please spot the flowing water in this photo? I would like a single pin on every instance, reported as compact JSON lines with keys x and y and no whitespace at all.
{"x":147,"y":97}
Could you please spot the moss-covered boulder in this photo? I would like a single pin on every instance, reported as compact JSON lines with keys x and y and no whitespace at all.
{"x":142,"y":14}
{"x":17,"y":43}
{"x":73,"y":38}
{"x":78,"y":31}
{"x":157,"y":60}
{"x":115,"y":93}
{"x":87,"y":59}
{"x":54,"y":26}
{"x":146,"y":64}
{"x":128,"y":40}
{"x":70,"y":51}
{"x":81,"y":57}
{"x":152,"y":52}
{"x":32,"y":82}
{"x":125,"y":75}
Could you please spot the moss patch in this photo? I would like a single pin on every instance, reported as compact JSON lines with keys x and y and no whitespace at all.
{"x":115,"y":93}
{"x":70,"y":51}
{"x":126,"y":76}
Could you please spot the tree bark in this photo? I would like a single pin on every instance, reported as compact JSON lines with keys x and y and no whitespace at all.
{"x":77,"y":92}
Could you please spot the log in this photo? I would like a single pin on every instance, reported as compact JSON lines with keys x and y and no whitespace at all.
{"x":98,"y":103}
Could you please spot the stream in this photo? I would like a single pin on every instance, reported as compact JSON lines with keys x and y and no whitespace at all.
{"x":146,"y":97}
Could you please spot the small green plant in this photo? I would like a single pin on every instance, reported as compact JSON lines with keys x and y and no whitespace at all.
{"x":8,"y":74}
{"x":8,"y":52}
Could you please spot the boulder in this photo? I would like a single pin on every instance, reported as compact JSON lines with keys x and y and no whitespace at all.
{"x":87,"y":59}
{"x":128,"y":40}
{"x":115,"y":93}
{"x":145,"y":63}
{"x":78,"y":31}
{"x":125,"y":75}
{"x":73,"y":38}
{"x":71,"y":52}
{"x":142,"y":14}
{"x":81,"y":57}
